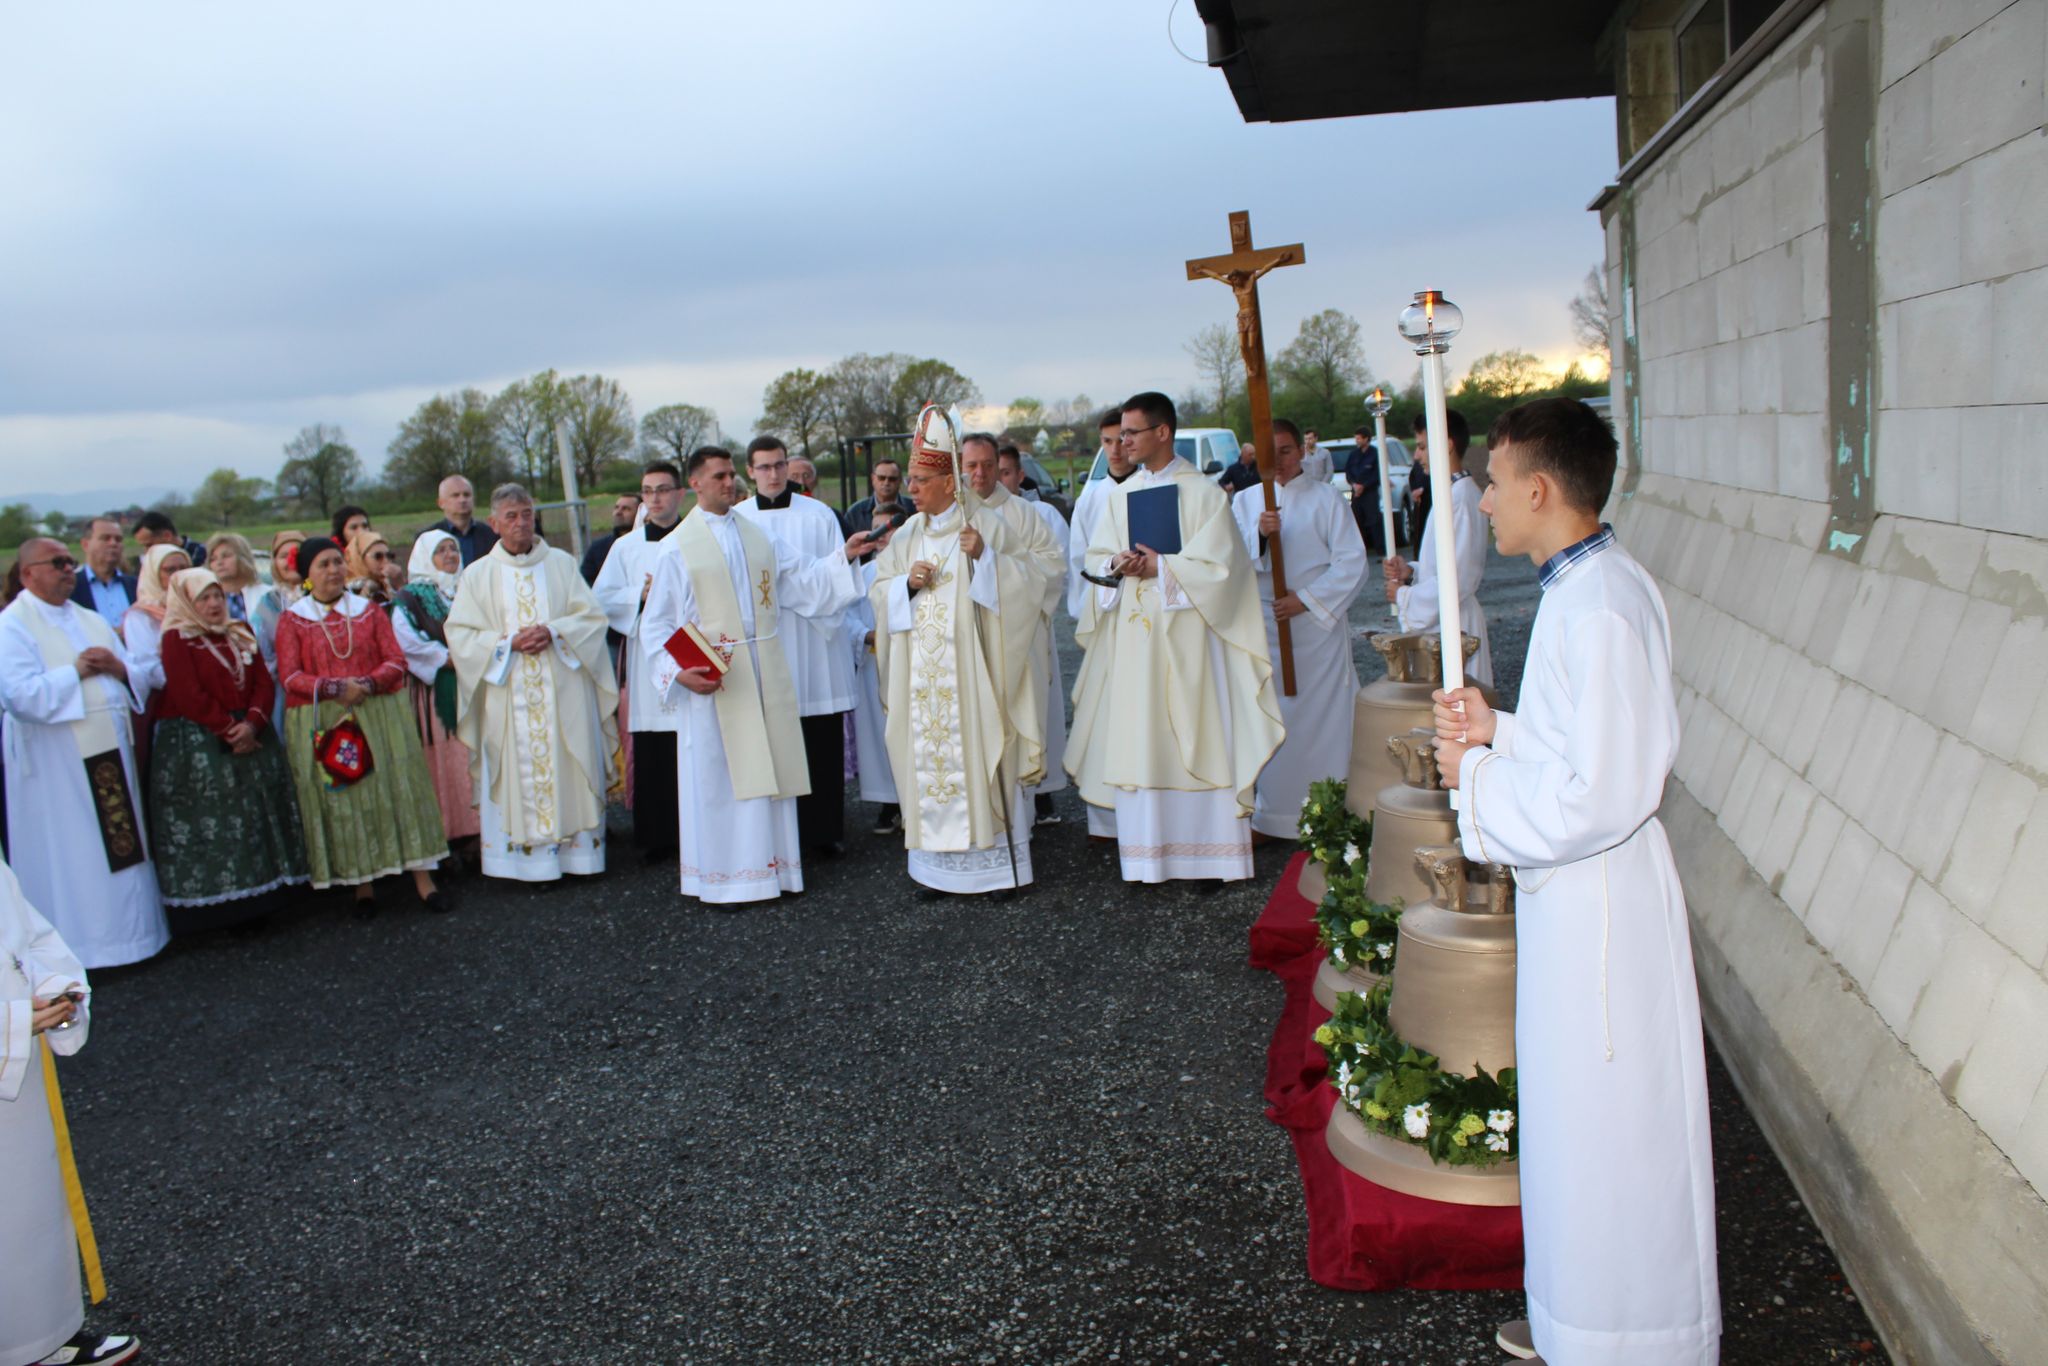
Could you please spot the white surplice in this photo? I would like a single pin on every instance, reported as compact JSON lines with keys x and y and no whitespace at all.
{"x":627,"y":568}
{"x":1087,"y":508}
{"x":40,"y":1303}
{"x":108,"y":919}
{"x":1418,"y":604}
{"x":142,"y":645}
{"x":733,"y":850}
{"x":870,"y":725}
{"x":817,"y":665}
{"x":1049,"y":658}
{"x":1616,"y":1163}
{"x":1325,"y":563}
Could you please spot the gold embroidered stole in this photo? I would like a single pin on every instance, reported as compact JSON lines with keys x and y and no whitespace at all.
{"x":937,"y":745}
{"x":97,"y":740}
{"x":763,"y":757}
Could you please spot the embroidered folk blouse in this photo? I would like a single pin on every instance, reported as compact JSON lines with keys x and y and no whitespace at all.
{"x":199,"y":687}
{"x":317,"y":659}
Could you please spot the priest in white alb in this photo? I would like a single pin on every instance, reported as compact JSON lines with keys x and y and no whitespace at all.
{"x":1414,"y":589}
{"x":1615,"y":1156}
{"x":740,"y":763}
{"x":957,"y":601}
{"x":622,"y":587}
{"x":1052,"y":678}
{"x":536,"y":701}
{"x":1117,"y":467}
{"x":1175,"y":711}
{"x":1324,"y":560}
{"x":74,"y":797}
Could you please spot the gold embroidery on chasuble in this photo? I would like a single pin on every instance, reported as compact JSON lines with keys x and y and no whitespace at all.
{"x":767,"y":587}
{"x":945,"y":821}
{"x":534,"y":713}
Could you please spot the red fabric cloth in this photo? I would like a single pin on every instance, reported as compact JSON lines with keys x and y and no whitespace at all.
{"x":306,"y":653}
{"x":1360,"y":1236}
{"x":198,"y":687}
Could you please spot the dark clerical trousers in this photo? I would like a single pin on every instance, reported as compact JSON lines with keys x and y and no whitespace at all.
{"x":821,"y":817}
{"x":654,"y":789}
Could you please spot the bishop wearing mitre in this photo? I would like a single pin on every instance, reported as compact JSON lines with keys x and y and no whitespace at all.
{"x":536,"y":701}
{"x":711,"y":632}
{"x":957,"y":601}
{"x":1175,"y":711}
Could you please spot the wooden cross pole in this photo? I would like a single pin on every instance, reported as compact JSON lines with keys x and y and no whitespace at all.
{"x":1241,"y":270}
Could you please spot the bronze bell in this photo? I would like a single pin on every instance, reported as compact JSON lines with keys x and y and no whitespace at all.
{"x":1393,"y":705}
{"x":1411,"y":814}
{"x":1454,"y":991}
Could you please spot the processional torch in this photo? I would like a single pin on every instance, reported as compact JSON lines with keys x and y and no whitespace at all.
{"x":1378,"y":406}
{"x":1428,"y":325}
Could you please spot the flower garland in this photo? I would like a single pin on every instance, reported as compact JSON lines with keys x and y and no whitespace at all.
{"x":1400,"y":1091}
{"x":1394,"y":1088}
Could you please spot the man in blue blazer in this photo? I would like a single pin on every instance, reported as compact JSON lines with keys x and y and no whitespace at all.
{"x":103,"y":585}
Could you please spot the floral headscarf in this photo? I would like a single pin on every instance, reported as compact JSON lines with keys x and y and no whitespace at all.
{"x":150,"y":592}
{"x":181,"y":612}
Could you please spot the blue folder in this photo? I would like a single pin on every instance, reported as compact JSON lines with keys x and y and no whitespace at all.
{"x":1155,"y":518}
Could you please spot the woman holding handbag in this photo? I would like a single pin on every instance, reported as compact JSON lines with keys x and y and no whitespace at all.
{"x":365,"y":795}
{"x":227,"y":847}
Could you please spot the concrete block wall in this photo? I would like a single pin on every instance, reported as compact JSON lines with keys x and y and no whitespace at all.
{"x":1861,"y":799}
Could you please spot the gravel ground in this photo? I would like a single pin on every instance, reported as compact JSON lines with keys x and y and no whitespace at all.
{"x":597,"y":1122}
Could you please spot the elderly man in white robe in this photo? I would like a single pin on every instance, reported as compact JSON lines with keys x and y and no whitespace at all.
{"x":536,"y":701}
{"x":1614,"y":1149}
{"x":44,"y":1010}
{"x":818,"y":665}
{"x":1325,"y":563}
{"x":622,"y":587}
{"x":958,"y":597}
{"x":74,"y":796}
{"x":1175,"y":711}
{"x":1010,"y":470}
{"x":740,"y":764}
{"x":1415,"y":590}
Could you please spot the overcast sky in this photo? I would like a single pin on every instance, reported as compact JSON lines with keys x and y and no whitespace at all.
{"x":227,"y":220}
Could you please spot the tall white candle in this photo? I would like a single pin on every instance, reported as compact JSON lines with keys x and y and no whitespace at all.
{"x":1379,"y":428}
{"x":1441,"y":523}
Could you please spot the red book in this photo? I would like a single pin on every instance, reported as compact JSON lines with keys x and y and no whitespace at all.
{"x":690,"y":648}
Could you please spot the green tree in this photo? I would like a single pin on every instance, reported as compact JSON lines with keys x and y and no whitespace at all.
{"x":448,"y":434}
{"x":1505,"y":376}
{"x":797,"y":406}
{"x":1219,"y":361}
{"x":859,"y":389}
{"x":600,"y":423}
{"x":17,"y":524}
{"x":224,"y":498}
{"x":927,"y":381}
{"x":1323,"y":369}
{"x":524,"y":412}
{"x":320,"y":468}
{"x":1026,"y":412}
{"x":673,"y":430}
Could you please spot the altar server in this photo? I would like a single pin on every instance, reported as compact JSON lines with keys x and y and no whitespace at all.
{"x":74,"y":789}
{"x":622,"y":588}
{"x":1414,"y":588}
{"x":1616,"y":1166}
{"x":1324,"y":561}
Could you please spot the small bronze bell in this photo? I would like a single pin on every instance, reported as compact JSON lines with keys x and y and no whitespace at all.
{"x":1412,"y":814}
{"x":1393,"y":705}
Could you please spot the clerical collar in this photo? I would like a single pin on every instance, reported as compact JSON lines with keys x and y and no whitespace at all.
{"x":656,"y":531}
{"x":1554,"y":568}
{"x":780,"y":500}
{"x":947,"y":522}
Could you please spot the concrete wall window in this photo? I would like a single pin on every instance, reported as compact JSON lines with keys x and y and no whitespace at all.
{"x":1702,"y":46}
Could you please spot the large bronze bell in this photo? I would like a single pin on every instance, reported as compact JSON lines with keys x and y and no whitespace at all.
{"x":1454,"y":996}
{"x":1412,"y":814}
{"x":1393,"y":705}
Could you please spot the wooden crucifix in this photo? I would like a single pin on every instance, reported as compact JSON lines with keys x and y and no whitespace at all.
{"x":1241,"y":270}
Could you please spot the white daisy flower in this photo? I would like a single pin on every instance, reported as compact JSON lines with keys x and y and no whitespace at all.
{"x":1500,"y":1121}
{"x":1496,"y":1143}
{"x":1350,"y":852}
{"x":1415,"y":1119}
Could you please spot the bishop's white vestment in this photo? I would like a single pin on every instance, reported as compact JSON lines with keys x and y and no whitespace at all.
{"x":1047,"y":555}
{"x":740,"y":760}
{"x":1615,"y":1158}
{"x":1325,"y":563}
{"x":1175,"y":710}
{"x":55,"y":721}
{"x":963,"y":707}
{"x":1418,"y":602}
{"x":40,"y":1303}
{"x":542,"y":729}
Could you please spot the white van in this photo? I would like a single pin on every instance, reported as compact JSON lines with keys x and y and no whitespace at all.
{"x":1209,"y":449}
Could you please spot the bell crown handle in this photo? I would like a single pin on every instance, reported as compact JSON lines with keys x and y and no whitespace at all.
{"x":1416,"y":751}
{"x":1500,"y":889}
{"x":1394,"y":649}
{"x":1444,"y":866}
{"x":1432,"y":647}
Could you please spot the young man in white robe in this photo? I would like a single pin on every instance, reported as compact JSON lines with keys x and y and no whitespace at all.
{"x":956,"y":599}
{"x":1325,"y":563}
{"x":1413,"y":589}
{"x":74,"y":795}
{"x":536,"y":701}
{"x":740,"y":763}
{"x":44,"y":1004}
{"x":622,"y":587}
{"x":1010,"y":470}
{"x":1087,"y":508}
{"x":1616,"y":1165}
{"x":870,"y":722}
{"x":1176,"y":709}
{"x":822,"y":672}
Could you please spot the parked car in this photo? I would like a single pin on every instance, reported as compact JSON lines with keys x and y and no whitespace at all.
{"x":1051,"y":491}
{"x":1397,"y":474}
{"x":1209,"y":449}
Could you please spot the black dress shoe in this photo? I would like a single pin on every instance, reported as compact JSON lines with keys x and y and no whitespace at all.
{"x":662,"y":854}
{"x":830,"y":849}
{"x":438,"y":901}
{"x":364,"y":907}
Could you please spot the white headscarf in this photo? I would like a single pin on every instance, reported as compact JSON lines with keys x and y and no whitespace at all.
{"x":420,"y":564}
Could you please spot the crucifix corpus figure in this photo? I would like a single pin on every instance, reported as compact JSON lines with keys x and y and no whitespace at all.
{"x":1241,"y":270}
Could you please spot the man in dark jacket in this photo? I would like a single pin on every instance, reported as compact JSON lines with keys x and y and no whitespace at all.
{"x":103,"y":585}
{"x":1362,"y":473}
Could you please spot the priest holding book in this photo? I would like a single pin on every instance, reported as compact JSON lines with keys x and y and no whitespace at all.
{"x":711,"y":633}
{"x":1175,"y":710}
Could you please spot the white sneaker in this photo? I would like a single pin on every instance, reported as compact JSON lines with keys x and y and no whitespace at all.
{"x":1514,"y":1339}
{"x":88,"y":1348}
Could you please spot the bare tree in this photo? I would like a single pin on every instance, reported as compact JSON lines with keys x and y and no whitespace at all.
{"x":1218,"y":360}
{"x":320,"y":467}
{"x":525,"y":412}
{"x":797,"y":406}
{"x":1589,"y":312}
{"x":600,"y":417}
{"x":673,"y":430}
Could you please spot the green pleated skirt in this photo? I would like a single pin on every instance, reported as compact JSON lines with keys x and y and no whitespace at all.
{"x":223,"y":827}
{"x":386,"y":823}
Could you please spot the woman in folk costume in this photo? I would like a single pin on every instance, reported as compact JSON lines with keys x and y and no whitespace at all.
{"x":228,"y":845}
{"x":369,"y":561}
{"x":44,"y":1009}
{"x":285,"y":588}
{"x":143,"y":624}
{"x":419,"y":617}
{"x":337,"y":660}
{"x":233,"y":562}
